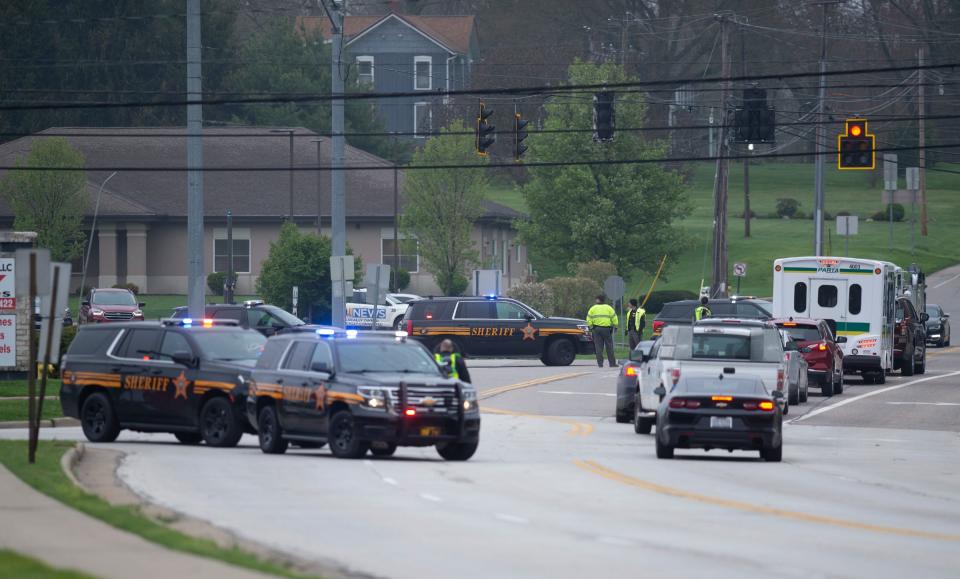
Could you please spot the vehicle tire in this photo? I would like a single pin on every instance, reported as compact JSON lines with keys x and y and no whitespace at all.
{"x":219,"y":424}
{"x":804,"y":394}
{"x":641,"y":424}
{"x":458,"y":451}
{"x":880,"y":377}
{"x":838,"y":384}
{"x":773,"y":454}
{"x":794,"y":398}
{"x":922,"y":366}
{"x":344,"y":440}
{"x":826,"y":389}
{"x":386,"y":450}
{"x":561,"y":352}
{"x":188,"y":438}
{"x":398,"y":323}
{"x":908,"y":365}
{"x":664,"y":450}
{"x":99,"y":421}
{"x":270,"y":432}
{"x":622,"y":417}
{"x":786,"y":408}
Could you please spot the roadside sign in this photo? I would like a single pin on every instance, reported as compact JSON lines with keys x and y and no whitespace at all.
{"x":487,"y":282}
{"x":8,"y":284}
{"x":847,"y":224}
{"x":739,"y":269}
{"x":913,"y":178}
{"x":890,"y":172}
{"x":60,"y":272}
{"x":341,"y":268}
{"x":377,"y":279}
{"x":8,"y":341}
{"x":295,"y":299}
{"x":614,"y":286}
{"x":22,"y":265}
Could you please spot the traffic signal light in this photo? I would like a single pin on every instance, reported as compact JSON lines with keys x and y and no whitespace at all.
{"x":603,"y":116}
{"x":519,"y":136}
{"x":856,"y":148}
{"x":754,"y":122}
{"x":485,"y":131}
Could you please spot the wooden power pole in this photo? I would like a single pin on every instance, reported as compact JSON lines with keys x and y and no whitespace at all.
{"x":719,"y":285}
{"x":921,"y":123}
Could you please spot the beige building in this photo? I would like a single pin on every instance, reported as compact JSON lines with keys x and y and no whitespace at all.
{"x":140,"y":232}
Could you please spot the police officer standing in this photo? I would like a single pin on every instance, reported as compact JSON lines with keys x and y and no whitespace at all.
{"x":602,"y":320}
{"x":636,"y":321}
{"x":451,"y":362}
{"x":702,"y":311}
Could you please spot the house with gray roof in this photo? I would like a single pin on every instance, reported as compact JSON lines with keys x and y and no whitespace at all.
{"x":141,"y":234}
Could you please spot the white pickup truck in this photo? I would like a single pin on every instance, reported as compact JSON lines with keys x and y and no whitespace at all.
{"x":716,"y":347}
{"x":389,"y":313}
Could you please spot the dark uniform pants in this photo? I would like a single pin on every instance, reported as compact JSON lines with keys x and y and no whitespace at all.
{"x":603,"y":337}
{"x":635,"y":338}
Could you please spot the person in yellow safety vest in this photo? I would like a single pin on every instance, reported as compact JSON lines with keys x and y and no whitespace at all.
{"x":602,"y":320}
{"x":702,"y":311}
{"x":636,"y":321}
{"x":451,"y":362}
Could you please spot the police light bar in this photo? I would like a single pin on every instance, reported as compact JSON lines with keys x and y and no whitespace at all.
{"x":326,"y":332}
{"x":205,"y":322}
{"x":351,"y":334}
{"x":491,"y":296}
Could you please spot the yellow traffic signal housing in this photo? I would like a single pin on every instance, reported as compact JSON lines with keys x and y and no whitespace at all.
{"x":856,"y":148}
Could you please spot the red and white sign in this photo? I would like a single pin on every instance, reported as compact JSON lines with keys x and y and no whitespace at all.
{"x":8,"y":341}
{"x":8,"y":298}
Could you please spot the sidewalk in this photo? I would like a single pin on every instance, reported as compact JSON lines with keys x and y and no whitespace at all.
{"x":40,"y":527}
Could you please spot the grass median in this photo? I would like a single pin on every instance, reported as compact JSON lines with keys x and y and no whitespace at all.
{"x":47,"y":477}
{"x":16,"y":565}
{"x":9,"y":388}
{"x":11,"y":410}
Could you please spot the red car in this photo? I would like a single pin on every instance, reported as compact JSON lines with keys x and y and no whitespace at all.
{"x":821,"y":351}
{"x":110,"y":305}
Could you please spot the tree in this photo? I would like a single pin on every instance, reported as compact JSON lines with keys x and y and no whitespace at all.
{"x":620,"y":213}
{"x":297,"y":259}
{"x":442,"y":206}
{"x":51,"y":203}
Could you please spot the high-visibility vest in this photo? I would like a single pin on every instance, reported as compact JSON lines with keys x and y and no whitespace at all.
{"x":701,"y":312}
{"x":602,"y":316}
{"x":637,"y":318}
{"x":448,"y":363}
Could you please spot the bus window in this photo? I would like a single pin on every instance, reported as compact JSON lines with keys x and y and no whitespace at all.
{"x":827,"y":296}
{"x":800,"y":297}
{"x":856,"y":295}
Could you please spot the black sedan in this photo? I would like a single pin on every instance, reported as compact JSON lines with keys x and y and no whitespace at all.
{"x":938,"y":326}
{"x":708,"y":411}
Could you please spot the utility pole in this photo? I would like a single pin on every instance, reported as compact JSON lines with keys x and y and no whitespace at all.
{"x":819,"y":138}
{"x":624,"y":24}
{"x":289,"y":133}
{"x":746,"y":159}
{"x":338,"y":220}
{"x":230,"y":285}
{"x":195,"y":277}
{"x":719,"y":286}
{"x":921,"y":111}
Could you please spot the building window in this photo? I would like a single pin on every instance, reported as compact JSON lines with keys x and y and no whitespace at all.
{"x":365,"y":70}
{"x":422,"y":73}
{"x":422,"y":120}
{"x":241,"y":250}
{"x":409,"y":257}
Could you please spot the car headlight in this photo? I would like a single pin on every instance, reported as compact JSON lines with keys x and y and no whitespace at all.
{"x":469,"y":396}
{"x":373,"y":396}
{"x":137,"y":313}
{"x":96,"y":312}
{"x":583,"y":327}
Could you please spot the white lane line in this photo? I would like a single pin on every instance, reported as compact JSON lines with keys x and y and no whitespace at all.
{"x":390,"y":481}
{"x":943,"y":283}
{"x":819,"y":411}
{"x":511,"y":519}
{"x":575,"y":393}
{"x":431,"y":498}
{"x":925,"y":403}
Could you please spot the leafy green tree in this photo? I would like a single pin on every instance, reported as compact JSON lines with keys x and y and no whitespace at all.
{"x":620,"y":213}
{"x":442,"y":206}
{"x":51,"y":203}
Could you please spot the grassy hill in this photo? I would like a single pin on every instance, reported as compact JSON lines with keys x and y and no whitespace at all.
{"x":772,"y":238}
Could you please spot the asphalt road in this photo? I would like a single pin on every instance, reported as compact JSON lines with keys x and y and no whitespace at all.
{"x":869,"y":487}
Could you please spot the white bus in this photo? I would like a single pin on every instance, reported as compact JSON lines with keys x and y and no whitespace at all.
{"x":857,"y":298}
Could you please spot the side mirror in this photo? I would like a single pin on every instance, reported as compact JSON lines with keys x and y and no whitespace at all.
{"x":841,"y":339}
{"x":660,"y":391}
{"x":805,"y":350}
{"x":321,"y":367}
{"x":924,"y":317}
{"x":528,"y":317}
{"x":184,"y":358}
{"x":778,"y":395}
{"x":141,"y":304}
{"x":85,"y":303}
{"x":944,"y":315}
{"x":637,"y":356}
{"x":791,"y":347}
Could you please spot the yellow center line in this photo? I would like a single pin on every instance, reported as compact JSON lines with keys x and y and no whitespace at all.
{"x":535,"y":382}
{"x":949,"y":350}
{"x":598,"y":469}
{"x":577,"y":428}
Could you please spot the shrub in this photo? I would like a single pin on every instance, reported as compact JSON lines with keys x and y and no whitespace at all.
{"x":787,"y":207}
{"x":898,"y":213}
{"x":215,"y":282}
{"x":657,"y":299}
{"x":572,"y":296}
{"x":128,"y":286}
{"x":800,"y":215}
{"x":399,"y":279}
{"x":458,"y":284}
{"x":536,"y":295}
{"x":596,"y":270}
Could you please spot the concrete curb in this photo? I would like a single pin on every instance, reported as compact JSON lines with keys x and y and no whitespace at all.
{"x":45,"y":423}
{"x":69,"y":461}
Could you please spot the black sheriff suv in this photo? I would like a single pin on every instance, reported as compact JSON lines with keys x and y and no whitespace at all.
{"x":358,"y":393}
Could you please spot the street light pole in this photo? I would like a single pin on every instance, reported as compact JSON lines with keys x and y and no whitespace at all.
{"x":820,"y":147}
{"x":290,"y":133}
{"x":319,"y":193}
{"x":93,"y":228}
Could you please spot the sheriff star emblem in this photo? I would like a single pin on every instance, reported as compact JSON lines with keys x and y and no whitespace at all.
{"x":180,"y":383}
{"x":529,"y":332}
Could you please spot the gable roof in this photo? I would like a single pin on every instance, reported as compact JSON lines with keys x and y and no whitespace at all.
{"x":452,"y":33}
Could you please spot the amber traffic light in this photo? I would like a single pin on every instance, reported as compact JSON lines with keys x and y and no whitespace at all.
{"x":856,"y":148}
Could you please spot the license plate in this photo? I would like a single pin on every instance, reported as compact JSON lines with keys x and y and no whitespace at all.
{"x":430,"y":431}
{"x":721,"y":422}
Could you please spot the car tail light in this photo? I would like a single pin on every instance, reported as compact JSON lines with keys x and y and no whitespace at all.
{"x":410,"y":411}
{"x":780,"y":378}
{"x":822,"y":347}
{"x":722,"y":398}
{"x":409,"y":327}
{"x":750,"y":405}
{"x":693,"y":404}
{"x":675,"y":375}
{"x":766,"y":405}
{"x":684,"y":403}
{"x":658,"y":326}
{"x":629,"y":370}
